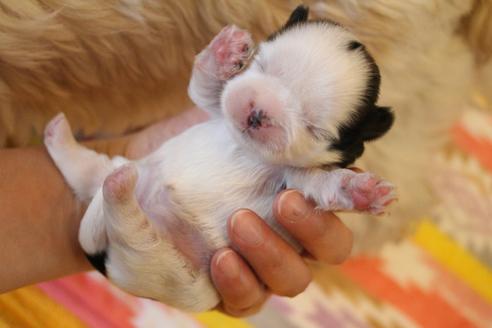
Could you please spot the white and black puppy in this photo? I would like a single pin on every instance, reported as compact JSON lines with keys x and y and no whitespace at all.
{"x":297,"y":114}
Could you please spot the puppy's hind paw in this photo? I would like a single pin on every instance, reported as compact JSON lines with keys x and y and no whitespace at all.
{"x":119,"y":185}
{"x":58,"y":133}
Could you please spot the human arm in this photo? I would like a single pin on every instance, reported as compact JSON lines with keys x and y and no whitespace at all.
{"x":39,"y":220}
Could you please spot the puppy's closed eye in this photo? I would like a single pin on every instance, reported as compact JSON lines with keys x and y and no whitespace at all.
{"x":353,"y":45}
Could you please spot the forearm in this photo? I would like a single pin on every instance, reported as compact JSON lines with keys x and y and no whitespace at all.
{"x":39,"y":215}
{"x":39,"y":220}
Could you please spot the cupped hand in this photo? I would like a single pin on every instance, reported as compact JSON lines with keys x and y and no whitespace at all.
{"x":259,"y":262}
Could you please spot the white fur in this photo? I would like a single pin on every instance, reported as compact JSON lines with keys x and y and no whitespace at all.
{"x":186,"y":190}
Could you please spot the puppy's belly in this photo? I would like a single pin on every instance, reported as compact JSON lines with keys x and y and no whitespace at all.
{"x":168,"y":215}
{"x":192,"y":185}
{"x":193,"y":215}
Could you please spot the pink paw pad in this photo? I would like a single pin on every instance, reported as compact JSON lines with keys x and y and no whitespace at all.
{"x":369,"y":193}
{"x":231,"y":50}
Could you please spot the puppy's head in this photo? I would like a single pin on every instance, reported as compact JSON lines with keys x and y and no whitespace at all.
{"x":308,"y":98}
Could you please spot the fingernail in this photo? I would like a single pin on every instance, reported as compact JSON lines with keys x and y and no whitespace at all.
{"x":292,"y":206}
{"x":244,"y":227}
{"x":228,"y":265}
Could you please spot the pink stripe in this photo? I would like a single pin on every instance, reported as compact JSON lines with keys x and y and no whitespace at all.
{"x":90,"y":301}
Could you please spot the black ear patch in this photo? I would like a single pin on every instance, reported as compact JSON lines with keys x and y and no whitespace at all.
{"x":377,"y":122}
{"x":369,"y":124}
{"x":354,"y":45}
{"x":298,"y":16}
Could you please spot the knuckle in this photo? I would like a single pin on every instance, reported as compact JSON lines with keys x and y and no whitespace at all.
{"x":242,"y":312}
{"x":290,"y":291}
{"x":302,"y":281}
{"x":248,"y":303}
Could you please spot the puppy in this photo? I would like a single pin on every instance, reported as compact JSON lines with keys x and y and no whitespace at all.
{"x":298,"y":113}
{"x":114,"y":66}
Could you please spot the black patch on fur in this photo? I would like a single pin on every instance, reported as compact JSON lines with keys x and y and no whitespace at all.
{"x":98,"y":261}
{"x":354,"y":45}
{"x":299,"y":17}
{"x":368,"y":122}
{"x":300,"y":14}
{"x":366,"y":125}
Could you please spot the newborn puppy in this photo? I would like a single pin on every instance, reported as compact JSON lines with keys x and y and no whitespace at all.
{"x":298,"y":113}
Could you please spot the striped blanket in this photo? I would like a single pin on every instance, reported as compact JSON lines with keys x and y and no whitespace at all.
{"x":438,"y":277}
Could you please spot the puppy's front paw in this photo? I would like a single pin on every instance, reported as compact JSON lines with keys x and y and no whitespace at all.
{"x":227,"y":54}
{"x":369,"y":193}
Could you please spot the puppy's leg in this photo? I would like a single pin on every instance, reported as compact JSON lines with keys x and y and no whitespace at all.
{"x":83,"y":169}
{"x":227,"y":54}
{"x":143,"y":261}
{"x":114,"y":211}
{"x":344,"y":190}
{"x":126,"y":220}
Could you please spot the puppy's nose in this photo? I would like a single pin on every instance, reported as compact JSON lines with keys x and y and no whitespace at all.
{"x":256,"y":118}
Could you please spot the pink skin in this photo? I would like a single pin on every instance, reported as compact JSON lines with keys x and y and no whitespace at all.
{"x":369,"y":193}
{"x":229,"y":53}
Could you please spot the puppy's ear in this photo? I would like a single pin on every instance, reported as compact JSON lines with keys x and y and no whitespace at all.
{"x":300,"y":14}
{"x":377,"y":122}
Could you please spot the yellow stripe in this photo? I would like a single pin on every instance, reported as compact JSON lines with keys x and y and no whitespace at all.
{"x":30,"y":307}
{"x":215,"y":319}
{"x":455,"y":258}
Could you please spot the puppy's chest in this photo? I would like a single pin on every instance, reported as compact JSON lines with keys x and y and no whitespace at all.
{"x":190,"y":194}
{"x":190,"y":198}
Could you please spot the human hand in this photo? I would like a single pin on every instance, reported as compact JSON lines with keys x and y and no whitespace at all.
{"x":259,"y":262}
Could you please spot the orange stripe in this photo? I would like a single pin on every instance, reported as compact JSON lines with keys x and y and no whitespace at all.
{"x":426,"y":308}
{"x":481,"y":149}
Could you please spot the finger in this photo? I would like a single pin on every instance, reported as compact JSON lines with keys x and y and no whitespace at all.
{"x":275,"y":262}
{"x":241,"y":292}
{"x":321,"y":233}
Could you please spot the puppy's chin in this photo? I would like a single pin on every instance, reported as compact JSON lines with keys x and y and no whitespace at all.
{"x":269,"y":142}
